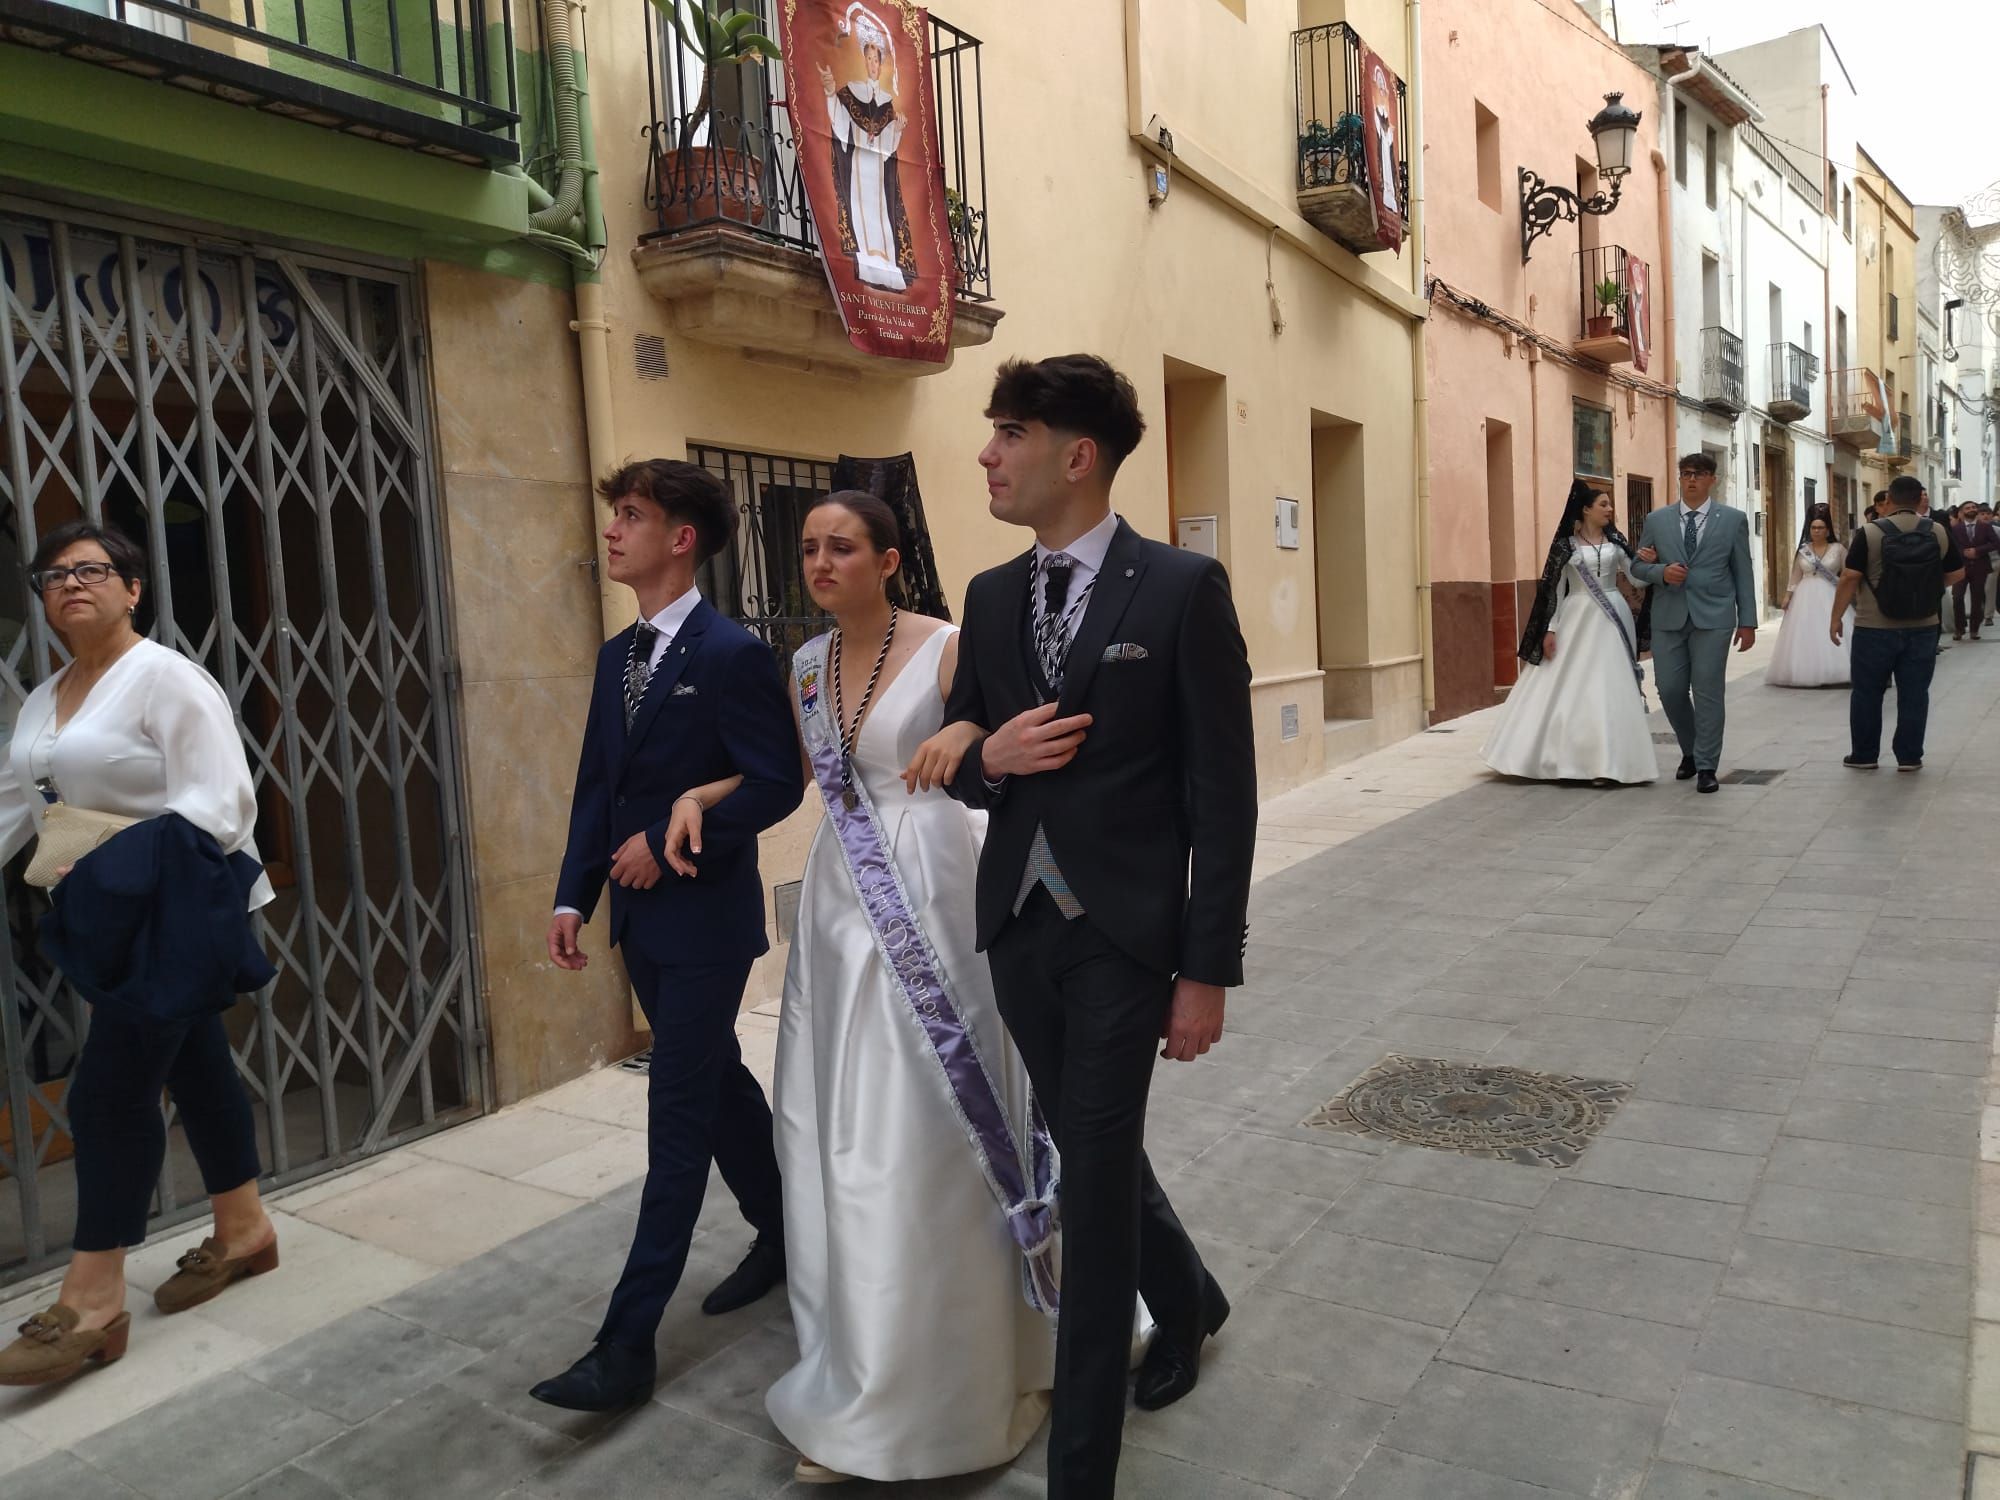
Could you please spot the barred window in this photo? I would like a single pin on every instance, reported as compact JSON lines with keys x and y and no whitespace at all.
{"x":758,"y":579}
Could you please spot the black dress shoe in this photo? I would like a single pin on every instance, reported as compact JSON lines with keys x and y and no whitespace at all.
{"x":606,"y":1379}
{"x":762,"y":1269}
{"x":1686,"y":771}
{"x":1169,"y":1371}
{"x":1705,"y":782}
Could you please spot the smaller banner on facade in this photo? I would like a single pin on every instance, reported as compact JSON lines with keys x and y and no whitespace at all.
{"x":857,"y":73}
{"x":1382,"y":129}
{"x":1639,"y":310}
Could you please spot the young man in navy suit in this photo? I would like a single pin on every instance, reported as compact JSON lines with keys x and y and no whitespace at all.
{"x":683,"y":699}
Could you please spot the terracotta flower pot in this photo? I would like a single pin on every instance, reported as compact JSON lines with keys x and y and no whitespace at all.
{"x":1602,"y":326}
{"x":698,"y":184}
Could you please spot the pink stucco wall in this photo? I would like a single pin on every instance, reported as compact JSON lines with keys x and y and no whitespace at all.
{"x":1542,"y":75}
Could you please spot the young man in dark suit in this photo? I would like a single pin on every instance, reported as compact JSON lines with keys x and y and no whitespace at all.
{"x":1977,"y":542}
{"x":683,"y":699}
{"x":1121,"y":779}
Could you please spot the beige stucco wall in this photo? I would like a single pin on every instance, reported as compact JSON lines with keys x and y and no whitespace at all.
{"x":519,"y":526}
{"x":1885,"y":220}
{"x":1542,"y":77}
{"x":1082,"y":262}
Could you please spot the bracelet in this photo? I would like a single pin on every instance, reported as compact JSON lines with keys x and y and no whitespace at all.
{"x":691,"y":797}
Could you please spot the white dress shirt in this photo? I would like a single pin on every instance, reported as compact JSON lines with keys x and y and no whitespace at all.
{"x":668,"y":623}
{"x":1086,"y":558}
{"x":1700,"y":514}
{"x":154,"y":735}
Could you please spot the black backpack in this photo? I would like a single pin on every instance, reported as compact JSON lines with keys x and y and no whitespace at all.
{"x":1912,"y":579}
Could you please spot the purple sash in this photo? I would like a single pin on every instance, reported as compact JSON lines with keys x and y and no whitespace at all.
{"x":1610,"y":613}
{"x":1817,"y":566}
{"x":1022,"y":1182}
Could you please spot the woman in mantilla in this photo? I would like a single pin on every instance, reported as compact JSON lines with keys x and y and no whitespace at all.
{"x":868,"y":125}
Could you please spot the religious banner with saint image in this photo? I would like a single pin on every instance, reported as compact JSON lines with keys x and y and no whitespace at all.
{"x":1639,"y":311}
{"x":1382,"y":131}
{"x":858,"y":81}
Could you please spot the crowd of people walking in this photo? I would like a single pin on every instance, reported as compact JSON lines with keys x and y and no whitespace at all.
{"x":1862,"y":614}
{"x":1029,"y":883}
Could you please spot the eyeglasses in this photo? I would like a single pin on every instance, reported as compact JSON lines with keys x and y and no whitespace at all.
{"x":88,"y":574}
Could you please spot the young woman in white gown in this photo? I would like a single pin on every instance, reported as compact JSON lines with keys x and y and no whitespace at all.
{"x":1806,"y":655}
{"x":919,"y":1354}
{"x":1578,"y":711}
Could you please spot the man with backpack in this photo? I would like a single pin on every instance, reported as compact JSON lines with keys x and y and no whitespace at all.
{"x":1898,"y":568}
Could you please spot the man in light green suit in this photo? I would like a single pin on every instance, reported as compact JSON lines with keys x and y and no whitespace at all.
{"x":1703,"y":589}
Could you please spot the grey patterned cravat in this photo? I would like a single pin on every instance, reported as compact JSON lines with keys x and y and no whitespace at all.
{"x":1051,"y":634}
{"x":638,"y":670}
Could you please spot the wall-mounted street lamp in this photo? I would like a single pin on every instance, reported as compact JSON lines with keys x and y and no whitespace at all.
{"x":1615,"y":129}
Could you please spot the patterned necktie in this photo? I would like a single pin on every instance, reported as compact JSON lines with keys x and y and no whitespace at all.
{"x":638,"y":670}
{"x":1051,"y":634}
{"x":1691,"y":534}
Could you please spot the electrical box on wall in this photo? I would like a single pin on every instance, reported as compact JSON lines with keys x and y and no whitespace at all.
{"x":1197,"y":534}
{"x":1288,"y":524}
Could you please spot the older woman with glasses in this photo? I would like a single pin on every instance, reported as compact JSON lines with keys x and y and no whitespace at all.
{"x":134,"y":729}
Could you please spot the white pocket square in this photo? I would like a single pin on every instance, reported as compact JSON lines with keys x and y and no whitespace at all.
{"x":1124,"y":651}
{"x":684,"y":690}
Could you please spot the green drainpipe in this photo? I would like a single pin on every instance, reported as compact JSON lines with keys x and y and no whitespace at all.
{"x":561,"y":223}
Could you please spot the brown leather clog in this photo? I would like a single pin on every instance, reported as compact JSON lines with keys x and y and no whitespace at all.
{"x":204,"y":1274}
{"x":51,"y":1347}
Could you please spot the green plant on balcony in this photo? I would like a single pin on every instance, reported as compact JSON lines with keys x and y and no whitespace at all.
{"x":1330,"y":155}
{"x":1610,"y":297}
{"x":726,"y":176}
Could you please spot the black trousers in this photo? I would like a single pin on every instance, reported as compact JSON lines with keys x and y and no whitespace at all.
{"x":1968,"y":598}
{"x":1087,"y":1019}
{"x":702,"y":1105}
{"x":120,"y":1133}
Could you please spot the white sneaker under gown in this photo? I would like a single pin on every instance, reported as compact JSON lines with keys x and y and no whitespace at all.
{"x":1805,"y":655}
{"x":1579,"y":715}
{"x":918,"y":1356}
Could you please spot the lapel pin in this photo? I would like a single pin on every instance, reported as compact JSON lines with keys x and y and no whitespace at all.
{"x":1130,"y":571}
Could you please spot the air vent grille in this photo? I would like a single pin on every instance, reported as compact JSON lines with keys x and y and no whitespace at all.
{"x":649,"y":356}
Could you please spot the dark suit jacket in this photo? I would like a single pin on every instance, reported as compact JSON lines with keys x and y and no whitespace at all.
{"x":156,"y":922}
{"x":1977,"y":543}
{"x":715,"y":707}
{"x":1155,"y":822}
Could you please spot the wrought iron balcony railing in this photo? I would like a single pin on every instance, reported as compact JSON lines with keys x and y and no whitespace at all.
{"x":1335,"y":174}
{"x":437,"y":75}
{"x":1905,"y":443}
{"x":1793,"y":371}
{"x":725,"y":150}
{"x":1722,"y":384}
{"x":1856,"y":405}
{"x":1604,"y":302}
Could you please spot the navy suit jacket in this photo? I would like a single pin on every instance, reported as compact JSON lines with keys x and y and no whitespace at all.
{"x":715,"y":707}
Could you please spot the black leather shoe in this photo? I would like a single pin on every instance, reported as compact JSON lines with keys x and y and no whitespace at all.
{"x":606,"y":1379}
{"x":762,"y":1269}
{"x":1705,"y":782}
{"x":1169,"y":1372}
{"x":1686,"y":771}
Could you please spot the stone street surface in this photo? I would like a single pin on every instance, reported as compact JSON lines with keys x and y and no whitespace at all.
{"x":1758,"y":1283}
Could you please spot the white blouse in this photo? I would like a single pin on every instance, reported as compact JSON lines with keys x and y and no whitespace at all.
{"x":154,"y":735}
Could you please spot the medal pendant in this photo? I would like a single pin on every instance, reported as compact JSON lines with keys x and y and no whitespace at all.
{"x":847,"y":798}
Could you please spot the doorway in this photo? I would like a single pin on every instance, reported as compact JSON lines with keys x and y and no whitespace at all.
{"x":1501,"y":550}
{"x":1340,"y":565}
{"x":1780,"y":530}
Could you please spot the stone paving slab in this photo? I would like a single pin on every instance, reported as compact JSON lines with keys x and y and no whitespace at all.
{"x":1759,"y":1283}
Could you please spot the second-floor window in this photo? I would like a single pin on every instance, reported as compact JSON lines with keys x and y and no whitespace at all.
{"x":1711,"y":153}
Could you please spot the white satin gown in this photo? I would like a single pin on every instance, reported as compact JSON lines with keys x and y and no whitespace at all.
{"x":1806,"y":655}
{"x":918,"y":1356}
{"x":1579,"y":715}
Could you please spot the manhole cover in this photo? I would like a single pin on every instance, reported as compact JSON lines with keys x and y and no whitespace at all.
{"x":1507,"y":1114}
{"x":1750,"y":778}
{"x":639,"y":1062}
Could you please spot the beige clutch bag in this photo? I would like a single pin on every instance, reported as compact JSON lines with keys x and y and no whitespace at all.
{"x":69,"y":833}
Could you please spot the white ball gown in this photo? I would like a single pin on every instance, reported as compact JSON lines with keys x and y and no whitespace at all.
{"x":1580,"y":715}
{"x":918,"y":1356}
{"x":1805,"y":655}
